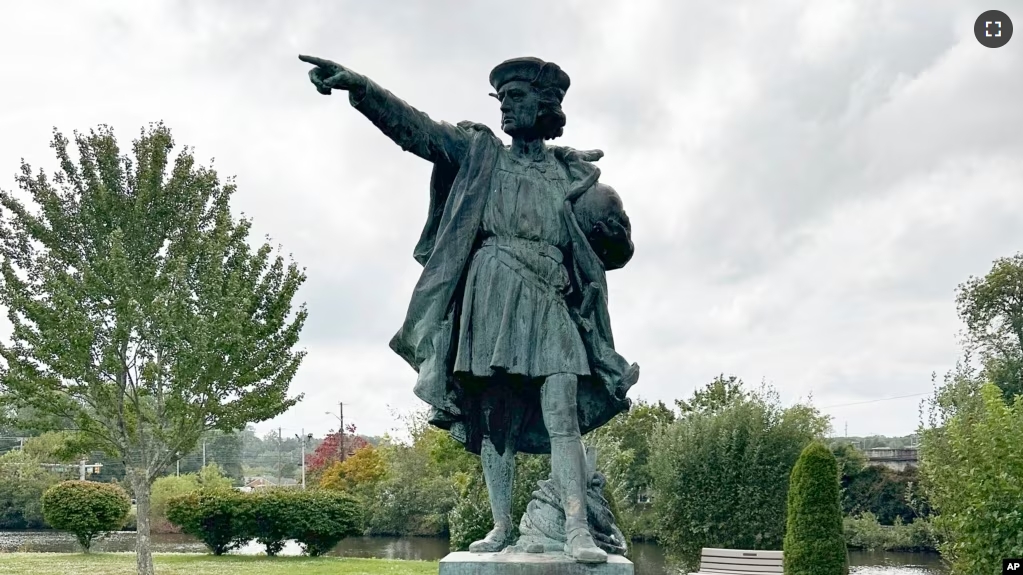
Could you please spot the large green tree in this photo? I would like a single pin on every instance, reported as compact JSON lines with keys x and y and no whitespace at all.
{"x":631,"y":431}
{"x":992,"y":308}
{"x":719,"y":394}
{"x":721,"y":475}
{"x":142,"y":317}
{"x":972,"y":468}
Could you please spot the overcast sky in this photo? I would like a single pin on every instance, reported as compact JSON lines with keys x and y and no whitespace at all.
{"x":807,"y":181}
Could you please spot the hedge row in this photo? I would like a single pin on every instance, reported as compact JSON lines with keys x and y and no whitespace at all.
{"x":226,"y":519}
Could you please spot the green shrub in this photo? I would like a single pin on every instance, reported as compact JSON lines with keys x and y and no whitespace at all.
{"x":86,"y":508}
{"x":165,"y":489}
{"x":272,"y":515}
{"x":132,"y":521}
{"x":218,"y":518}
{"x":865,"y":531}
{"x":22,"y":484}
{"x":814,"y":544}
{"x":973,"y":471}
{"x":470,"y":519}
{"x":226,"y":519}
{"x":721,"y":476}
{"x":320,"y":519}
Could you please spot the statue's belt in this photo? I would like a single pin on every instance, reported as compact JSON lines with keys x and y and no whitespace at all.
{"x":539,"y":247}
{"x":507,"y":249}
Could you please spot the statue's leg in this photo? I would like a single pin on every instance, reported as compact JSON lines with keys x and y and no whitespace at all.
{"x":499,"y":472}
{"x":568,"y":464}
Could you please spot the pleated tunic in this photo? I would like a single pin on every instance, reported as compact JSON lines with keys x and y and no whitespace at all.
{"x":514,"y":317}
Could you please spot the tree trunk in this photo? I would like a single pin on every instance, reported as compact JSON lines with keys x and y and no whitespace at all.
{"x":143,"y":549}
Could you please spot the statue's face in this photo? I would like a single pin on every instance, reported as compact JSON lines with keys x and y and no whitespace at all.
{"x":519,"y":107}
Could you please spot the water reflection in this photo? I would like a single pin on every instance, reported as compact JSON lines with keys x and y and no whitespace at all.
{"x":648,"y":557}
{"x":119,"y":542}
{"x":884,"y":563}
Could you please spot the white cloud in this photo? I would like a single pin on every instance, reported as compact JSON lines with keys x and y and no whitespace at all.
{"x":808,"y":181}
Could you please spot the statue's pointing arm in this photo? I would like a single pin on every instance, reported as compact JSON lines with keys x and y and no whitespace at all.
{"x":414,"y":131}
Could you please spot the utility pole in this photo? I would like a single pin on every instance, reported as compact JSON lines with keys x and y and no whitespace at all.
{"x":81,"y":470}
{"x":341,"y":430}
{"x":303,"y":440}
{"x":280,"y":445}
{"x":847,"y":429}
{"x":204,"y":453}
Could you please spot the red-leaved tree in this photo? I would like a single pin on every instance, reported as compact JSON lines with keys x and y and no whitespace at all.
{"x":329,"y":452}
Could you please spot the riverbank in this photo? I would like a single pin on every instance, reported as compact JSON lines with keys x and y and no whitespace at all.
{"x":404,"y":551}
{"x":189,"y":564}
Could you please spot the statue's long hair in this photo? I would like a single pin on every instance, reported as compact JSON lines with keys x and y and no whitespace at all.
{"x":550,"y":118}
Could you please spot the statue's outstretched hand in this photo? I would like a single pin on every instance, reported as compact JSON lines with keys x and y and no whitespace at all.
{"x":329,"y":75}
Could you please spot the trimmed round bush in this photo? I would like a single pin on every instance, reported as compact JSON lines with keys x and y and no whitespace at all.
{"x":321,"y":519}
{"x":218,"y":518}
{"x":814,"y":542}
{"x":272,"y":517}
{"x":86,"y":508}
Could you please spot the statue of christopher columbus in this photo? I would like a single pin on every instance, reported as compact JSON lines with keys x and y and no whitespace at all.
{"x":508,"y":326}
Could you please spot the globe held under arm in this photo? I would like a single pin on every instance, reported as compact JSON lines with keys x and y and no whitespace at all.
{"x":601,"y":216}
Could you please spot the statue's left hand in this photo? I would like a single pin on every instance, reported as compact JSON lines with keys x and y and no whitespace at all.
{"x":613,"y":230}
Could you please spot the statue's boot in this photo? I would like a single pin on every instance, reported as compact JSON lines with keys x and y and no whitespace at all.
{"x":580,"y":546}
{"x":498,"y":538}
{"x":569,"y":456}
{"x":499,"y":472}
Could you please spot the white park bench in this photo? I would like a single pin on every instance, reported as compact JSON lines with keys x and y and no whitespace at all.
{"x":739,"y":562}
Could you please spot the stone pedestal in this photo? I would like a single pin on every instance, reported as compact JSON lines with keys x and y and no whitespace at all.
{"x":465,"y":563}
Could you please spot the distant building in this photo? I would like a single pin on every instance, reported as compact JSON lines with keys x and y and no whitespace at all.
{"x":256,"y":483}
{"x":894,"y":459}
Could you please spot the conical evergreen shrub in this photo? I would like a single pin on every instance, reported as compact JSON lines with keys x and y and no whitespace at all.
{"x":814,"y":544}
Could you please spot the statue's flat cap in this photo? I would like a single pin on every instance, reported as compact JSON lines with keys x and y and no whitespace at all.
{"x":533,"y":70}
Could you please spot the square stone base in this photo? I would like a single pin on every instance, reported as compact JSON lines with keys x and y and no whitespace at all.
{"x":465,"y":563}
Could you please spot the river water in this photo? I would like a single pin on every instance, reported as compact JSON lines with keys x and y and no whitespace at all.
{"x":648,"y":557}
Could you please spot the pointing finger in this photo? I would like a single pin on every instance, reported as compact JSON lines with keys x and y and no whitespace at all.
{"x":318,"y":61}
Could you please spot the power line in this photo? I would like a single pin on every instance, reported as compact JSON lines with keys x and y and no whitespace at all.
{"x":875,"y":400}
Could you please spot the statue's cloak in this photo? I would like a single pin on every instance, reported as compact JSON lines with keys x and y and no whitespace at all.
{"x":427,"y":339}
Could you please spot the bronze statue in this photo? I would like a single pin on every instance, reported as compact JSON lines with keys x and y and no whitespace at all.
{"x":508,"y":325}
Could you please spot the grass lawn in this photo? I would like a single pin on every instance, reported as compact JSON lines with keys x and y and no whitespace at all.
{"x":185,"y":564}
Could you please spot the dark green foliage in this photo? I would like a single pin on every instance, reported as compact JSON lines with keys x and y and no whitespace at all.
{"x":992,"y":309}
{"x":970,"y":460}
{"x":226,"y":519}
{"x":865,"y":532}
{"x":272,"y":515}
{"x":814,"y":543}
{"x":470,"y":519}
{"x":422,"y":484}
{"x":715,"y":396}
{"x":142,"y":314}
{"x":22,"y":484}
{"x":321,"y":519}
{"x":721,"y":476}
{"x":882,"y":492}
{"x":218,"y":518}
{"x":86,"y":508}
{"x":631,"y":432}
